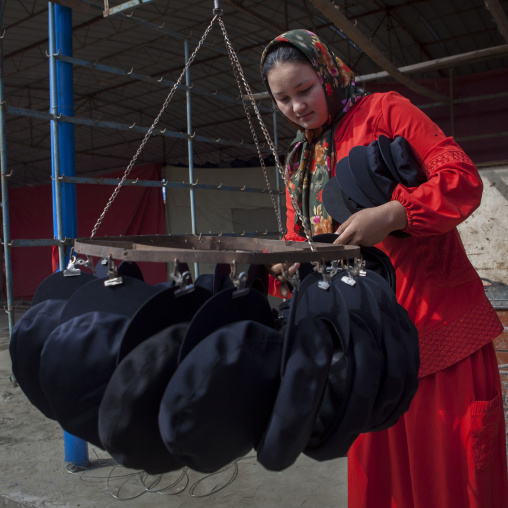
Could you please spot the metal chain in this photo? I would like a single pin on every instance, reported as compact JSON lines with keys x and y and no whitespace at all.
{"x":237,"y":68}
{"x":237,"y":73}
{"x":150,"y":130}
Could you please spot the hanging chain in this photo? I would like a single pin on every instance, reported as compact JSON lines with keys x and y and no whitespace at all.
{"x":240,"y":78}
{"x":237,"y":68}
{"x":150,"y":130}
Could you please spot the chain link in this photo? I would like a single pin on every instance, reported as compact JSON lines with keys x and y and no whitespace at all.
{"x":150,"y":130}
{"x":237,"y":68}
{"x":240,"y":79}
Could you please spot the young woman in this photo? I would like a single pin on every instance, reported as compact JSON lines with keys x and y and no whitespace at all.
{"x":449,"y":449}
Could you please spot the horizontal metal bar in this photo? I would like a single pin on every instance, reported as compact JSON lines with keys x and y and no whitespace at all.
{"x":152,"y":183}
{"x":40,"y":242}
{"x":143,"y":77}
{"x":121,"y":126}
{"x":49,"y":242}
{"x":131,"y":4}
{"x":161,"y":28}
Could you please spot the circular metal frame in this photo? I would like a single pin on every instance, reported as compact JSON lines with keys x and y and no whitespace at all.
{"x":211,"y":249}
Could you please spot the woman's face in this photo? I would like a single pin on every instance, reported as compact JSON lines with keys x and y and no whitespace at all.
{"x":297,"y":89}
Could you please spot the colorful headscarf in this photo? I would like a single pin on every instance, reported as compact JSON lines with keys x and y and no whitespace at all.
{"x":341,"y":94}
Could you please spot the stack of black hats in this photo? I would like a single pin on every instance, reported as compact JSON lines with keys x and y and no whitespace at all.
{"x":368,"y":176}
{"x":350,"y":365}
{"x":197,"y":375}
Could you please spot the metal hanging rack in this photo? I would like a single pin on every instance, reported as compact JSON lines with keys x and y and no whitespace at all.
{"x":217,"y":249}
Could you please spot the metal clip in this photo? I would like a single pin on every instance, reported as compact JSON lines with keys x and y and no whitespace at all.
{"x":239,"y":282}
{"x":71,"y":270}
{"x":113,"y":279}
{"x":323,"y":284}
{"x":347,"y":279}
{"x":185,"y":284}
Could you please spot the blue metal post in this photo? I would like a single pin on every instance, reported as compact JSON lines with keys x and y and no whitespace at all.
{"x":62,"y":161}
{"x":5,"y":193}
{"x":189,"y":149}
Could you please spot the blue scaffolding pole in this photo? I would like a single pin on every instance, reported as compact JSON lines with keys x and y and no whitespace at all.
{"x":62,"y":162}
{"x":5,"y":193}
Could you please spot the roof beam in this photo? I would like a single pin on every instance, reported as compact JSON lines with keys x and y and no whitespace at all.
{"x":438,"y":63}
{"x":332,"y":12}
{"x":499,"y":16}
{"x":448,"y":61}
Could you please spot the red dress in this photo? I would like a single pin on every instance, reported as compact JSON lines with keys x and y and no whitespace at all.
{"x":444,"y":297}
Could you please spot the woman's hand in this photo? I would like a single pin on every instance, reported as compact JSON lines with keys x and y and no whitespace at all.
{"x":278,"y":270}
{"x":372,"y":225}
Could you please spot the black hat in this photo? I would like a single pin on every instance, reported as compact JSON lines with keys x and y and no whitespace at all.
{"x":401,"y":352}
{"x":345,"y":175}
{"x":360,"y":403}
{"x":59,"y":286}
{"x":28,"y":337}
{"x":169,"y":306}
{"x":401,"y":161}
{"x":79,"y":356}
{"x":123,"y":299}
{"x":223,"y":308}
{"x":128,"y":413}
{"x":368,"y":176}
{"x":77,"y":362}
{"x":327,"y":305}
{"x":218,"y":402}
{"x":307,"y":356}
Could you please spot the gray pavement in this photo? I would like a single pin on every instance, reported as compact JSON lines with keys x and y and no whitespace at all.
{"x":33,"y":472}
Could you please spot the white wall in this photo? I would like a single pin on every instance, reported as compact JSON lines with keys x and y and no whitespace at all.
{"x":485,"y":232}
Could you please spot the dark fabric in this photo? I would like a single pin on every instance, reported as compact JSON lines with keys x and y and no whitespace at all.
{"x":128,"y":413}
{"x":308,"y":351}
{"x":226,"y":307}
{"x":167,"y":307}
{"x":27,"y":341}
{"x":123,"y":299}
{"x":77,"y":362}
{"x":58,"y":286}
{"x":219,"y":400}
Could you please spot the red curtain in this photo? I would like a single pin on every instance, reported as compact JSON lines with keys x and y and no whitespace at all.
{"x":135,"y":211}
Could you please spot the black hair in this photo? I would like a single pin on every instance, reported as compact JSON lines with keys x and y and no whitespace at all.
{"x":281,"y":53}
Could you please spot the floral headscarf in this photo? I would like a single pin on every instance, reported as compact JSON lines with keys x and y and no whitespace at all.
{"x":306,"y":185}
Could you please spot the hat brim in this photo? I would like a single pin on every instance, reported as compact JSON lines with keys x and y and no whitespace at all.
{"x":344,"y":173}
{"x":334,"y":201}
{"x":128,"y":413}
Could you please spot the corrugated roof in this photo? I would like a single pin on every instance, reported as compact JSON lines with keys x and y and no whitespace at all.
{"x":150,"y":41}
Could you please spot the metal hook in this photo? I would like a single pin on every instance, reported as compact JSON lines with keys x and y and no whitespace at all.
{"x":163,"y":130}
{"x":195,"y":183}
{"x":132,"y":125}
{"x":3,"y":34}
{"x":160,"y":79}
{"x":217,"y":140}
{"x":243,"y":188}
{"x":131,"y":71}
{"x":193,"y":134}
{"x":162,"y":26}
{"x":219,"y":186}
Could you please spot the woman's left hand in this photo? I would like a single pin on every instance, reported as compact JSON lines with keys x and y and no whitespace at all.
{"x":372,"y":225}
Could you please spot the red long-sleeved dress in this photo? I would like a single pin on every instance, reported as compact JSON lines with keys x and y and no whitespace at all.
{"x":448,"y":450}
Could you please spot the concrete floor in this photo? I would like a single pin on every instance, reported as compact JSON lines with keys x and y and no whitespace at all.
{"x":33,"y":472}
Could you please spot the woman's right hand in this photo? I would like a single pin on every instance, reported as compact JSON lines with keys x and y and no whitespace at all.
{"x":278,"y":270}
